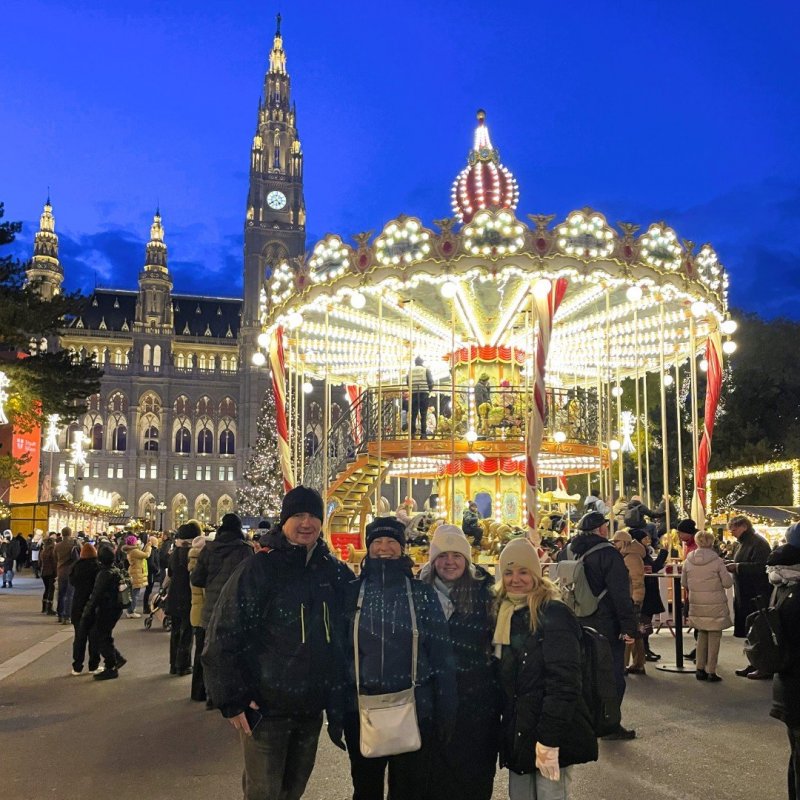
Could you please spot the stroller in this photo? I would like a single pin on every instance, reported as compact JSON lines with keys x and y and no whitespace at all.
{"x":157,"y":610}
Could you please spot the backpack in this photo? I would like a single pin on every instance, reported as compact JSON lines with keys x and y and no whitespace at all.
{"x":124,"y":587}
{"x":764,"y":645}
{"x":575,"y":590}
{"x":599,"y":686}
{"x":634,"y":516}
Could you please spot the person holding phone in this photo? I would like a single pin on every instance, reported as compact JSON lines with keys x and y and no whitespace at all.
{"x":270,"y":657}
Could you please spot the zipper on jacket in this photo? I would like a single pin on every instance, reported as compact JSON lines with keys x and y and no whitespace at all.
{"x":326,"y":618}
{"x":302,"y":623}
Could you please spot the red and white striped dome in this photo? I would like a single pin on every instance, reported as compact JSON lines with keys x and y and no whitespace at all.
{"x":484,"y":182}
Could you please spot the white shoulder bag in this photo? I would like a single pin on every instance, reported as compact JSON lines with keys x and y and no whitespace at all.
{"x":388,"y":722}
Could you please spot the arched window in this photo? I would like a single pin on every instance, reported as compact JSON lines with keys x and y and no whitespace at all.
{"x":202,"y":361}
{"x":157,"y":356}
{"x":151,"y":439}
{"x":189,"y":360}
{"x":227,"y":443}
{"x":93,"y":403}
{"x":118,"y":357}
{"x":223,"y":364}
{"x":212,"y":362}
{"x":181,"y":361}
{"x":183,"y":440}
{"x":276,"y":154}
{"x":204,"y":407}
{"x":119,"y":439}
{"x":118,"y":403}
{"x":182,"y":405}
{"x":233,"y":363}
{"x":97,"y":436}
{"x":146,"y":355}
{"x":227,"y":408}
{"x":151,"y":404}
{"x":205,"y":441}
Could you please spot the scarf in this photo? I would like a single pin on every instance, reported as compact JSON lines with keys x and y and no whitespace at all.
{"x":783,"y":573}
{"x":502,"y":630}
{"x":443,"y":593}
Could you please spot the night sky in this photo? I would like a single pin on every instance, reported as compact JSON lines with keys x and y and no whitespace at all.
{"x":642,"y":109}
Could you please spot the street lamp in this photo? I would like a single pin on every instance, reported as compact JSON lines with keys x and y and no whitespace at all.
{"x":161,"y":508}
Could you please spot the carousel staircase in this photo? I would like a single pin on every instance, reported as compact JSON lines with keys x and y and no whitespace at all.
{"x":351,"y":487}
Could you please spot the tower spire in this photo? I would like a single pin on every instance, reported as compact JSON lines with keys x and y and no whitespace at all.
{"x":45,"y":273}
{"x":277,"y":58}
{"x":156,"y":250}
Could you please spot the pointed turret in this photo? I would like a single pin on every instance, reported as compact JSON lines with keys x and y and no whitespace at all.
{"x":154,"y":305}
{"x":277,"y":58}
{"x":45,"y":274}
{"x":156,"y":252}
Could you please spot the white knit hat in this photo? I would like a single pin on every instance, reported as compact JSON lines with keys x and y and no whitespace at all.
{"x":449,"y":539}
{"x":518,"y":553}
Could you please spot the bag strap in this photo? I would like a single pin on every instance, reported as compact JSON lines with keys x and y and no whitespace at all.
{"x":592,"y":549}
{"x":414,"y":634}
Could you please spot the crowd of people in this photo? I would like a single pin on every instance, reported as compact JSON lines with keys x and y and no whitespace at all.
{"x":429,"y":679}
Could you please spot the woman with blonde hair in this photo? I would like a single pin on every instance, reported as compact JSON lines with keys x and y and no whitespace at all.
{"x":545,"y":723}
{"x":706,"y":578}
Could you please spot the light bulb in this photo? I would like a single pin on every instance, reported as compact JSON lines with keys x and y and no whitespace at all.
{"x":259,"y":359}
{"x":668,"y":380}
{"x":616,"y":391}
{"x":613,"y":445}
{"x":703,"y":365}
{"x":308,"y":387}
{"x":729,"y":347}
{"x":729,"y":326}
{"x":614,"y":456}
{"x":699,"y":308}
{"x":357,"y":300}
{"x":542,"y":288}
{"x":471,"y":436}
{"x":263,"y":340}
{"x":294,"y":320}
{"x":559,"y":437}
{"x":634,"y":293}
{"x":449,"y":289}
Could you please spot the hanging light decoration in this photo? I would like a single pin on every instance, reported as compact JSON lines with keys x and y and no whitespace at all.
{"x":51,"y":435}
{"x":5,"y":382}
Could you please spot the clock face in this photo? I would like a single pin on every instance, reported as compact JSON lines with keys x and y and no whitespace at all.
{"x":276,"y":200}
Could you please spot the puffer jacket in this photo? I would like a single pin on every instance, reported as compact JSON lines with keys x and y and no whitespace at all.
{"x":198,"y":594}
{"x":784,"y":569}
{"x":270,"y":638}
{"x":179,"y":596}
{"x":82,"y":577}
{"x":216,"y":563}
{"x":385,"y":634}
{"x":706,"y":578}
{"x":137,"y":563}
{"x":633,"y":553}
{"x":605,"y":569}
{"x":104,"y":599}
{"x":540,"y":674}
{"x":47,"y":561}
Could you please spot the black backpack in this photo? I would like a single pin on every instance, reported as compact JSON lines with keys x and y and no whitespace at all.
{"x":599,"y":686}
{"x":764,"y":645}
{"x":634,"y":516}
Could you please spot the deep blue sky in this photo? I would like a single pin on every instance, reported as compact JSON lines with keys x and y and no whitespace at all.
{"x":643,"y":109}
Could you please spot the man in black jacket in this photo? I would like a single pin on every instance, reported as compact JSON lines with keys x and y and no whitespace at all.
{"x":606,"y":575}
{"x":270,"y":653}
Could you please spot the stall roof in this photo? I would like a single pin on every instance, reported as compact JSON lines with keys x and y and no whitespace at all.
{"x":780,"y":515}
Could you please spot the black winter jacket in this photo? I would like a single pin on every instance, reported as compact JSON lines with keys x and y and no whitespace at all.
{"x":179,"y":594}
{"x":786,"y":684}
{"x":104,"y":599}
{"x":750,"y":579}
{"x":653,"y":603}
{"x":385,"y":642}
{"x":270,"y":638}
{"x":605,"y":569}
{"x":540,"y":674}
{"x":217,"y":562}
{"x":82,"y":577}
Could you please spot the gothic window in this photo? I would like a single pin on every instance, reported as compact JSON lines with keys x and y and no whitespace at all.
{"x":202,"y":361}
{"x":276,"y":152}
{"x":227,"y":408}
{"x":212,"y":363}
{"x":97,"y":436}
{"x":227,"y":443}
{"x":205,"y":437}
{"x":183,"y":440}
{"x":151,"y":404}
{"x":118,"y":357}
{"x":204,"y":407}
{"x":190,"y":361}
{"x":157,"y":356}
{"x":151,"y":439}
{"x":233,"y":363}
{"x":119,"y":438}
{"x":93,"y":403}
{"x":182,"y":405}
{"x":181,"y":361}
{"x":223,"y":364}
{"x":146,"y":355}
{"x":118,"y":403}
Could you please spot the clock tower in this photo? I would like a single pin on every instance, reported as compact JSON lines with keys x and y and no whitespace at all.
{"x":275,"y":224}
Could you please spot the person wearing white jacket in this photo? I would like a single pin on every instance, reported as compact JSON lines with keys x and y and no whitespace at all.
{"x":706,"y":578}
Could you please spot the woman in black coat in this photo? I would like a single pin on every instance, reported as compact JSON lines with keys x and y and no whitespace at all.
{"x":179,"y":600}
{"x":783,"y":570}
{"x":545,"y":726}
{"x":82,"y":577}
{"x":652,"y":603}
{"x":464,"y":766}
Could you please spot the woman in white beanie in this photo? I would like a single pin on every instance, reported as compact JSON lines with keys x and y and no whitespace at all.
{"x":464,"y":766}
{"x":545,"y":727}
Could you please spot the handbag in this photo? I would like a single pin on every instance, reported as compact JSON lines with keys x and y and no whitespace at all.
{"x":388,"y":722}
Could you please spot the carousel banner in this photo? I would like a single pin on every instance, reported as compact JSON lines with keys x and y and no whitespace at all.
{"x":713,"y":387}
{"x":278,"y":369}
{"x":546,"y":307}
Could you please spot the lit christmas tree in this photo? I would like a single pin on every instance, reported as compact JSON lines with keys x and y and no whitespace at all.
{"x":262,"y":492}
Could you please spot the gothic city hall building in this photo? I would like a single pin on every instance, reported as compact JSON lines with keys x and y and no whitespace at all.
{"x":176,"y":414}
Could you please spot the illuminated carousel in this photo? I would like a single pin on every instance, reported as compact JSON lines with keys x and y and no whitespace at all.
{"x":537,"y":337}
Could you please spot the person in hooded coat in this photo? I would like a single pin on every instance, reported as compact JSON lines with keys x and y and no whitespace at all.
{"x":198,"y":691}
{"x":706,"y":578}
{"x":633,"y":553}
{"x":783,"y":572}
{"x":179,"y":600}
{"x":47,"y":566}
{"x":137,"y":556}
{"x":82,"y":577}
{"x":464,"y":766}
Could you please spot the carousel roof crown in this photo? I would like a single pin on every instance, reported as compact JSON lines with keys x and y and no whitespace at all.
{"x":484,"y":182}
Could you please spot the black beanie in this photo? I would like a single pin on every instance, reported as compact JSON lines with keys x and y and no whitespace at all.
{"x":105,"y":556}
{"x":386,"y":526}
{"x":230,"y":522}
{"x":302,"y":500}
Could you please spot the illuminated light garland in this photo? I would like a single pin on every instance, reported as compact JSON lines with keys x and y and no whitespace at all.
{"x":330,"y":259}
{"x":660,"y":248}
{"x":51,"y":435}
{"x":402,"y":242}
{"x":5,"y":382}
{"x":708,"y":267}
{"x":757,"y":470}
{"x":586,"y":236}
{"x":493,"y":234}
{"x":280,"y":283}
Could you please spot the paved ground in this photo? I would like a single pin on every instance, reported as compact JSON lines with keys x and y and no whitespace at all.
{"x":141,"y":737}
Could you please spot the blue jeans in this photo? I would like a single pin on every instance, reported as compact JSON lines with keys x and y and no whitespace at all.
{"x":134,"y":598}
{"x":8,"y":576}
{"x":535,"y":787}
{"x":65,"y":593}
{"x":279,"y":757}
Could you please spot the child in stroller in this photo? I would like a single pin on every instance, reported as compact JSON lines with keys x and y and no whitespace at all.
{"x":157,"y":610}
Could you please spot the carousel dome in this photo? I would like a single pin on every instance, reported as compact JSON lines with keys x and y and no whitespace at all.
{"x":484,"y":182}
